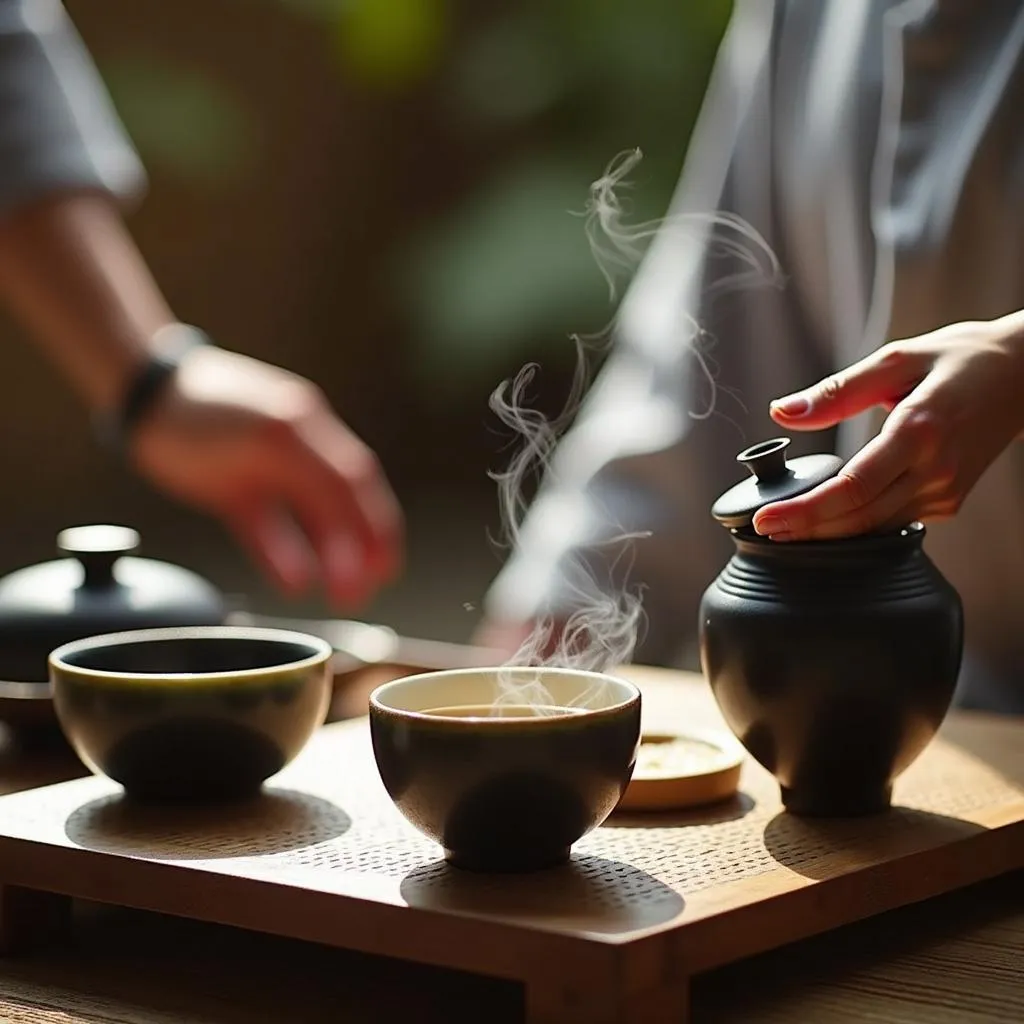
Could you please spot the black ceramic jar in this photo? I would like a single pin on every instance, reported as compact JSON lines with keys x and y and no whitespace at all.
{"x":834,"y":662}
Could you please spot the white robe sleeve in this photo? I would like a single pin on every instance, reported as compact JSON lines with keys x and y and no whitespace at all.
{"x":58,"y":128}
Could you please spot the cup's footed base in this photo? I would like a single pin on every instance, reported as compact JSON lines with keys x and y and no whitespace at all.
{"x":193,"y":795}
{"x":835,"y":805}
{"x":496,"y":864}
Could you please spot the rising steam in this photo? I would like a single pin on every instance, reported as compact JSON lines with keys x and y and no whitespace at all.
{"x":601,"y":631}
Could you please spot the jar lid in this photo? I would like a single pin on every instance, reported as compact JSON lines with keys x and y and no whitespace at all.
{"x":100,"y":585}
{"x":773,"y":478}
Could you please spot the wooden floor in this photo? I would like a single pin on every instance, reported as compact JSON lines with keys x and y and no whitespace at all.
{"x":956,"y":960}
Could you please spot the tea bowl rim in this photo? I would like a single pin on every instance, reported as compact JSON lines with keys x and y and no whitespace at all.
{"x":579,"y":717}
{"x":322,"y":653}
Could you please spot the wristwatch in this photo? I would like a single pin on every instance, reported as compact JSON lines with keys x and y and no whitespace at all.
{"x":114,"y":427}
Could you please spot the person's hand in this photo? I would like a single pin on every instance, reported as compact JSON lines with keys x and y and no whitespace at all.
{"x":955,"y":399}
{"x":261,"y":449}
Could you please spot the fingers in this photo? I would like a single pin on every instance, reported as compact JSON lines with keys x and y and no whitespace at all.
{"x":274,"y":541}
{"x":317,"y":506}
{"x":872,"y":487}
{"x":300,"y":535}
{"x":882,"y":378}
{"x":336,"y":490}
{"x":890,"y":508}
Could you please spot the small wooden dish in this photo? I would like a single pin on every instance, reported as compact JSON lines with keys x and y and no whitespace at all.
{"x":675,"y":770}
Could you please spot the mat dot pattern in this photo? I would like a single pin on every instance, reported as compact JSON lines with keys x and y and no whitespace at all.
{"x":328,"y":811}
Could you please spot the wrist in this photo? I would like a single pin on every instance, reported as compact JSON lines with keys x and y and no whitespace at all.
{"x":143,"y":382}
{"x":119,"y":360}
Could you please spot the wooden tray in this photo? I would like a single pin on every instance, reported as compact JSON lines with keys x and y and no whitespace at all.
{"x":612,"y":937}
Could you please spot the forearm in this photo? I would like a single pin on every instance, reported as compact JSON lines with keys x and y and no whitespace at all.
{"x":71,"y":274}
{"x":68,"y":269}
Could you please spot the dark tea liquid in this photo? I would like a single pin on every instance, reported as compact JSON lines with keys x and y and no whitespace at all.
{"x":503,"y":711}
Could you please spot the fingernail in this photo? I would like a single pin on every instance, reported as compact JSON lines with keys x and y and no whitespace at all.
{"x":792,"y":405}
{"x":768,"y":526}
{"x":781,"y":538}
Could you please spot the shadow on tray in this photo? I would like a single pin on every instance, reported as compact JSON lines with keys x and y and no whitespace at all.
{"x":275,"y":821}
{"x":821,"y":848}
{"x":589,"y":893}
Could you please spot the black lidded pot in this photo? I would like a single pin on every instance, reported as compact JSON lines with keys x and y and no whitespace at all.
{"x":834,"y":661}
{"x":99,"y":586}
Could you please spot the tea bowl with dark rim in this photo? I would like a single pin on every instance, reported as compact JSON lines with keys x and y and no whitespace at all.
{"x":194,"y":713}
{"x":500,"y":786}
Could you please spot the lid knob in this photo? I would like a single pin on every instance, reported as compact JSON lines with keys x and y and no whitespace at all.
{"x":97,"y":548}
{"x":767,"y":460}
{"x":773,"y":478}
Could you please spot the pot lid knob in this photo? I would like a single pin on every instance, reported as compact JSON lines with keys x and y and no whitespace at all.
{"x":767,"y":461}
{"x":773,"y":478}
{"x":97,"y":548}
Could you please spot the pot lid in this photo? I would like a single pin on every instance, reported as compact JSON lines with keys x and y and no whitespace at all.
{"x":773,"y":478}
{"x":100,"y":586}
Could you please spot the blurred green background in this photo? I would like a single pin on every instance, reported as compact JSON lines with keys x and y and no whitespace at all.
{"x":383,"y":195}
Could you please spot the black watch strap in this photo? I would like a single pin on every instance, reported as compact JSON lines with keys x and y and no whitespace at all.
{"x":115,"y":427}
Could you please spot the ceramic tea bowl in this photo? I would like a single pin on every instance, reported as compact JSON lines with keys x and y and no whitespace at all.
{"x":193,"y":713}
{"x":500,"y":785}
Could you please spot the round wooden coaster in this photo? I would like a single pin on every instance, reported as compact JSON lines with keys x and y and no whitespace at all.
{"x":675,"y":770}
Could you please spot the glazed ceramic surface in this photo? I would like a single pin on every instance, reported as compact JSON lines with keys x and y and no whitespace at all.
{"x":833,"y":662}
{"x":193,"y":713}
{"x":100,"y":586}
{"x":505,"y":793}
